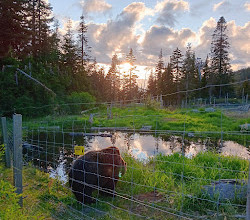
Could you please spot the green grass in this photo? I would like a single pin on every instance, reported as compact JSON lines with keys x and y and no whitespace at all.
{"x":201,"y":123}
{"x":160,"y":119}
{"x":176,"y":180}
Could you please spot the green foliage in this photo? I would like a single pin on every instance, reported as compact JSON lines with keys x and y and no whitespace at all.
{"x":151,"y":103}
{"x":80,"y":101}
{"x":9,"y":207}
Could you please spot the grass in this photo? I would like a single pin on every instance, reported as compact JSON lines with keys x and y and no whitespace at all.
{"x":160,"y":119}
{"x":201,"y":123}
{"x":174,"y":181}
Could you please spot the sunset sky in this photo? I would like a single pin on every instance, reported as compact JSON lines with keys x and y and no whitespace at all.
{"x":147,"y":26}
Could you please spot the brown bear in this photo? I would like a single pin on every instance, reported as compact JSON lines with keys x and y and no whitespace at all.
{"x":96,"y":170}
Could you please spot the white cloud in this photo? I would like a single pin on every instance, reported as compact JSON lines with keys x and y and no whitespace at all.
{"x":247,"y":6}
{"x":222,"y":5}
{"x":95,"y":6}
{"x":169,"y":10}
{"x":117,"y":35}
{"x":238,"y":37}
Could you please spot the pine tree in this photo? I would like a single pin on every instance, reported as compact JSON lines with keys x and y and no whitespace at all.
{"x":113,"y":80}
{"x":220,"y":62}
{"x":168,"y":82}
{"x":13,"y":30}
{"x":152,"y":85}
{"x":69,"y":48}
{"x":39,"y":19}
{"x":190,"y":77}
{"x":158,"y":74}
{"x":84,"y":49}
{"x":205,"y":79}
{"x":130,"y":87}
{"x":176,"y":67}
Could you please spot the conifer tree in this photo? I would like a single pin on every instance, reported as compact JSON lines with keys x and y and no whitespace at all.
{"x":69,"y":48}
{"x":152,"y":85}
{"x":130,"y":87}
{"x":220,"y":61}
{"x":158,"y":74}
{"x":176,"y":67}
{"x":14,"y":33}
{"x":190,"y":76}
{"x":84,"y":49}
{"x":113,"y":80}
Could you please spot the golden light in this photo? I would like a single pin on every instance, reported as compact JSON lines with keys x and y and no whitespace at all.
{"x":125,"y":67}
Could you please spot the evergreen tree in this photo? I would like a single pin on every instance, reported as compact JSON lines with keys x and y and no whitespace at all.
{"x":84,"y":49}
{"x":13,"y":30}
{"x":176,"y":67}
{"x":130,"y":87}
{"x":69,"y":48}
{"x":39,"y":19}
{"x":205,"y":79}
{"x":158,"y":73}
{"x":168,"y":82}
{"x":152,"y":85}
{"x":113,"y":81}
{"x":190,"y":77}
{"x":220,"y":62}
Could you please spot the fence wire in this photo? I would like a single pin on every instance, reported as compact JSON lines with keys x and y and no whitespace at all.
{"x":163,"y":181}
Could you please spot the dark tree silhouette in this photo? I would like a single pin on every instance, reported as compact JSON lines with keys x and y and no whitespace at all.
{"x":220,"y":61}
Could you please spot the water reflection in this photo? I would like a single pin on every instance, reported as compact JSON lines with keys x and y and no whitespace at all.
{"x":57,"y":155}
{"x":145,"y":146}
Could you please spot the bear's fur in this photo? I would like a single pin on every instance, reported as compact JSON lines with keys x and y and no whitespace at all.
{"x":96,"y":170}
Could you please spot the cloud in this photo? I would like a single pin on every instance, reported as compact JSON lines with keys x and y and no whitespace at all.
{"x":117,"y":35}
{"x":165,"y":38}
{"x":169,"y":10}
{"x":224,"y":5}
{"x":95,"y":6}
{"x":238,"y":37}
{"x":247,"y":6}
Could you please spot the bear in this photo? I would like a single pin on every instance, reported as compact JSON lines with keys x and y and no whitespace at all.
{"x":96,"y":170}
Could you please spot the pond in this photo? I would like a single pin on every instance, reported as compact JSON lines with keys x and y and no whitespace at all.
{"x":53,"y":151}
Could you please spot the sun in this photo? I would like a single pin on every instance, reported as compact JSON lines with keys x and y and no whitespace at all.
{"x":125,"y":67}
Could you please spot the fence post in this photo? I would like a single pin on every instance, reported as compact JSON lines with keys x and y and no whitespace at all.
{"x":6,"y":144}
{"x":17,"y":155}
{"x":248,"y":196}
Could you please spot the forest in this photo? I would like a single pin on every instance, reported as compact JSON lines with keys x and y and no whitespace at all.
{"x":30,"y":42}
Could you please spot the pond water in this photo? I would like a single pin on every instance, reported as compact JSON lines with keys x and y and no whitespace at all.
{"x":57,"y":155}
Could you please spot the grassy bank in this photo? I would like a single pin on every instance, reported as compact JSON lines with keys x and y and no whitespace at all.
{"x":200,"y":123}
{"x":160,"y":119}
{"x":163,"y":185}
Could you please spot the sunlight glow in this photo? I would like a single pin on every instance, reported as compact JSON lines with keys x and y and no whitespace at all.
{"x":125,"y":67}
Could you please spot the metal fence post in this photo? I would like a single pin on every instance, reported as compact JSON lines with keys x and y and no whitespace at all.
{"x":6,"y":144}
{"x":248,"y":196}
{"x":17,"y":155}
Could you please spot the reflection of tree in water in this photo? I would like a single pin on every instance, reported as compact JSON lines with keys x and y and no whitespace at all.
{"x":127,"y":139}
{"x":115,"y":136}
{"x":157,"y":140}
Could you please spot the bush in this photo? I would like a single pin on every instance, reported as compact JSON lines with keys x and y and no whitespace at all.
{"x":9,"y":207}
{"x":80,"y":101}
{"x":152,"y":104}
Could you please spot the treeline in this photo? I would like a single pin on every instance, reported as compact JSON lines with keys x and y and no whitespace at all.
{"x":185,"y":72}
{"x":30,"y":40}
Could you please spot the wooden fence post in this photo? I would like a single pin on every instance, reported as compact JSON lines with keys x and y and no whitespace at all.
{"x":17,"y":155}
{"x":6,"y":143}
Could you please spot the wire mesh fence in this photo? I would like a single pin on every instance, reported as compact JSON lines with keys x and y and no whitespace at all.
{"x":140,"y":171}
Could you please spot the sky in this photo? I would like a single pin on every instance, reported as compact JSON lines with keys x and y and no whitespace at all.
{"x":147,"y":26}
